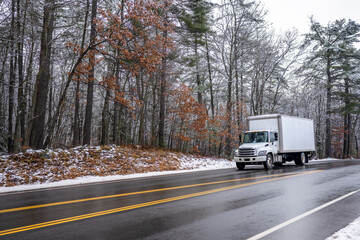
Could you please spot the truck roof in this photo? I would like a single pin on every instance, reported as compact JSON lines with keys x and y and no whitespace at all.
{"x":258,"y":131}
{"x":266,"y":116}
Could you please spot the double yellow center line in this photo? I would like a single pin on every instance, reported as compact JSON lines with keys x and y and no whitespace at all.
{"x":136,"y":193}
{"x":135,"y":206}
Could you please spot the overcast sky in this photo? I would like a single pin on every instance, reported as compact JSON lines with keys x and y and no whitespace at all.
{"x":287,"y":14}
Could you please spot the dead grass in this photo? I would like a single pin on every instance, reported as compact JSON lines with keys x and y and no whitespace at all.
{"x":55,"y":165}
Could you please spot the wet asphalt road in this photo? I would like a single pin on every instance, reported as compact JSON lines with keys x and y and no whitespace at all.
{"x":218,"y":204}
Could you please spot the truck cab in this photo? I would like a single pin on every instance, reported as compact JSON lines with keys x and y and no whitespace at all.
{"x":275,"y":139}
{"x":259,"y":147}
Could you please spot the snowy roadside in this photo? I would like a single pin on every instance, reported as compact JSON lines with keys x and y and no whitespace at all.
{"x":326,"y":160}
{"x":98,"y":179}
{"x":83,"y":165}
{"x":351,"y":231}
{"x":36,"y":169}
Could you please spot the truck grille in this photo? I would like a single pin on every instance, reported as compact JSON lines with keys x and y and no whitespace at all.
{"x":245,"y":152}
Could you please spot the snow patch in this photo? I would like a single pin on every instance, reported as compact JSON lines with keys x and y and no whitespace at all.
{"x":326,"y":159}
{"x":351,"y":231}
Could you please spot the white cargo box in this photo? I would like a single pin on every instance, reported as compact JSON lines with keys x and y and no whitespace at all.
{"x":295,"y":134}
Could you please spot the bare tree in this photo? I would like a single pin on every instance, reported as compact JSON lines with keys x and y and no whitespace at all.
{"x":36,"y":127}
{"x":90,"y":90}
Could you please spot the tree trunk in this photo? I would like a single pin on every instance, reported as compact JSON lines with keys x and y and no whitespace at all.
{"x":153,"y":113}
{"x":77,"y":129}
{"x":117,"y":106}
{"x":116,"y":139}
{"x":328,"y":110}
{"x":242,"y":97}
{"x":142,"y":119}
{"x":141,"y":93}
{"x":104,"y":119}
{"x":11,"y":80}
{"x":21,"y":97}
{"x":37,"y":122}
{"x":318,"y":135}
{"x":3,"y":134}
{"x":237,"y":92}
{"x":228,"y":140}
{"x":27,"y":95}
{"x":90,"y":89}
{"x":50,"y":97}
{"x":210,"y":80}
{"x":198,"y":79}
{"x":356,"y":147}
{"x":347,"y":123}
{"x":163,"y":79}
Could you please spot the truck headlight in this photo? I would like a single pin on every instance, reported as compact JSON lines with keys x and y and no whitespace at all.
{"x":236,"y":152}
{"x":262,"y":153}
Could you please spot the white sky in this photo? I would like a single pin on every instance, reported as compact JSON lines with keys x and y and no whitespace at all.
{"x":288,"y":14}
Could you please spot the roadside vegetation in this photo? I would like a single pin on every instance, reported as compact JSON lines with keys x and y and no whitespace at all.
{"x":175,"y":74}
{"x":44,"y":166}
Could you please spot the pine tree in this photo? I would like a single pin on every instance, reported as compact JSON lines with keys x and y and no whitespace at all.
{"x":330,"y":45}
{"x":196,"y":21}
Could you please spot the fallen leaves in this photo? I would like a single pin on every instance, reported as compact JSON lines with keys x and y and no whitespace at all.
{"x":42,"y":166}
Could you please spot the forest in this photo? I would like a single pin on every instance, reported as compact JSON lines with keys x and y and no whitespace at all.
{"x":172,"y":74}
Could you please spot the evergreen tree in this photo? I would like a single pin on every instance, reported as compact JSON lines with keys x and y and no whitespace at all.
{"x":196,"y":22}
{"x":330,"y":46}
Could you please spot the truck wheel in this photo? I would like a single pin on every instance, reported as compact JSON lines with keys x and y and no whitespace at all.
{"x":240,"y":166}
{"x":301,"y":159}
{"x":268,"y":164}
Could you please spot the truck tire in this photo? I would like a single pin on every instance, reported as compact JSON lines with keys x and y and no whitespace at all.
{"x":268,"y":164}
{"x":301,"y":159}
{"x":240,"y":166}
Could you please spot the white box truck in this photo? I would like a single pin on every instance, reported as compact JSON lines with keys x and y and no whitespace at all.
{"x":275,"y":139}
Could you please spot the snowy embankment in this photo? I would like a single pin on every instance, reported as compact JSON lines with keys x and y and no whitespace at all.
{"x":351,"y":231}
{"x":54,"y":168}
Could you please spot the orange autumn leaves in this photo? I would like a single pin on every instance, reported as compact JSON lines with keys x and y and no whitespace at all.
{"x":134,"y":39}
{"x":191,"y":114}
{"x":136,"y":34}
{"x":131,"y":37}
{"x":194,"y":125}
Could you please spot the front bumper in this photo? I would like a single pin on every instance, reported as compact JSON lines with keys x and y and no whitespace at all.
{"x":254,"y":159}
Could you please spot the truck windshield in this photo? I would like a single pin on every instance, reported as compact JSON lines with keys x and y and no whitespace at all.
{"x":256,"y":137}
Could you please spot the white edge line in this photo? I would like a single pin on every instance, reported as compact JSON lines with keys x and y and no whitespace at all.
{"x":284,"y":224}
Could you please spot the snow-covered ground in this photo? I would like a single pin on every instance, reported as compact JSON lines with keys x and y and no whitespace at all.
{"x":98,"y":179}
{"x":350,"y":232}
{"x":327,"y":159}
{"x":83,"y":165}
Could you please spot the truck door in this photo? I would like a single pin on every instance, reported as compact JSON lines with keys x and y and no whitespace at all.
{"x":274,"y":142}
